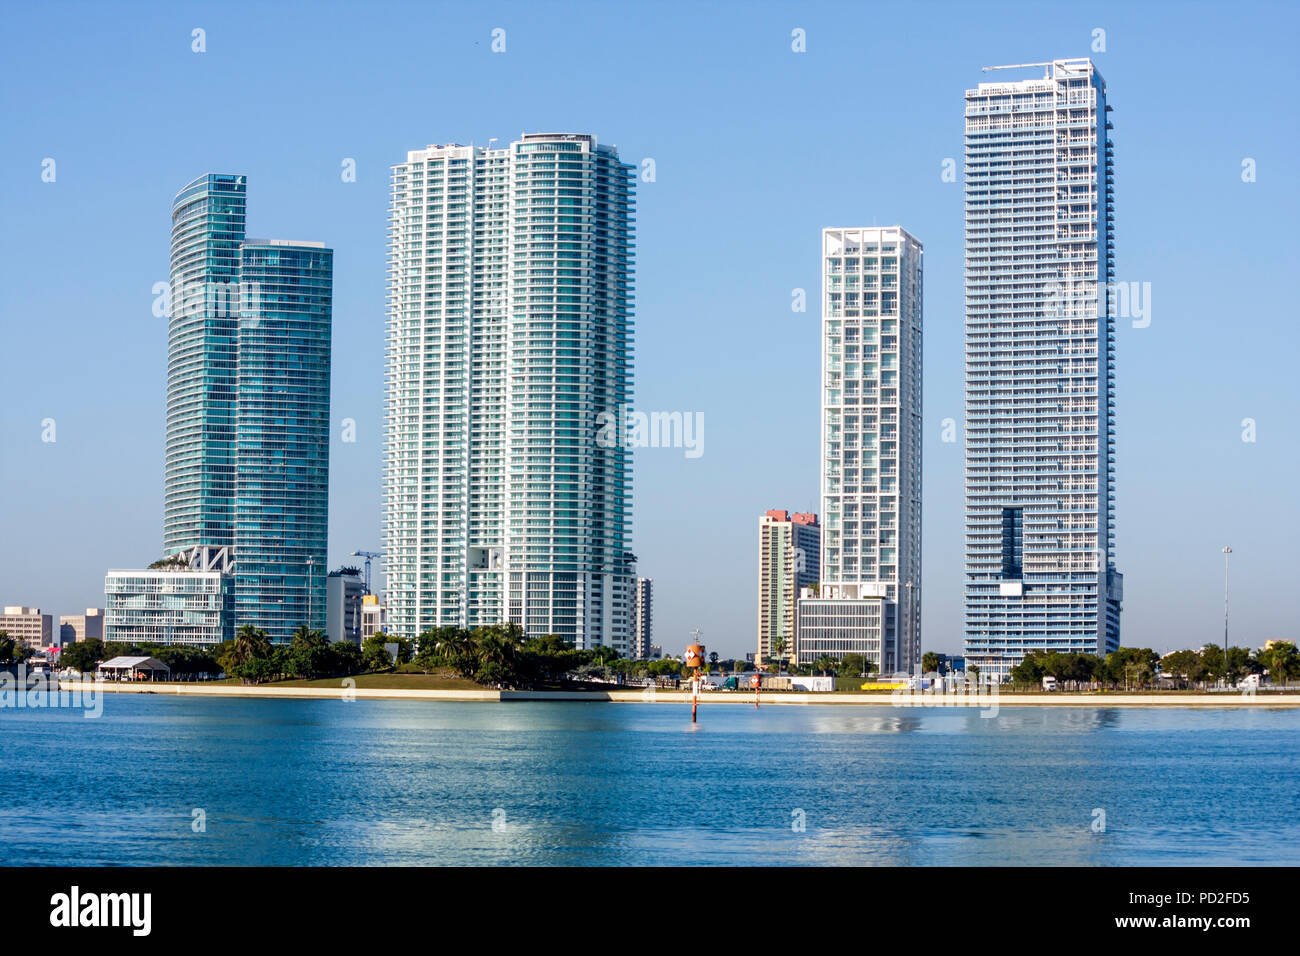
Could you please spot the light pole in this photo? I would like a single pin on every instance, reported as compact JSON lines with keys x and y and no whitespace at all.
{"x":911,"y":630}
{"x":311,"y":569}
{"x":1226,"y":552}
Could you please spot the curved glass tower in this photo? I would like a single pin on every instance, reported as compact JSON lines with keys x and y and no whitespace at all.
{"x":199,"y":485}
{"x":248,"y":382}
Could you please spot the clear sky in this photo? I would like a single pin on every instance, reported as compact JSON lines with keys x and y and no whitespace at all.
{"x":756,"y":148}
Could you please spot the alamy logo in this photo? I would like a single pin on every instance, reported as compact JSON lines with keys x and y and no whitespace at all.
{"x":74,"y":909}
{"x":631,"y":429}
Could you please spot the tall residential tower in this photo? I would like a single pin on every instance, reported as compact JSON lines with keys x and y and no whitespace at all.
{"x":869,"y":600}
{"x":509,"y":334}
{"x":1040,"y":361}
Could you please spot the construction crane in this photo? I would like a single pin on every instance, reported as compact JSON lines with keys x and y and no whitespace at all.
{"x":368,"y":555}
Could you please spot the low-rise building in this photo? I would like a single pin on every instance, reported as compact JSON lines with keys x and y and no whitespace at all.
{"x":344,"y":590}
{"x":849,"y":618}
{"x":374,"y":616}
{"x":169,"y":607}
{"x":81,"y":627}
{"x":29,"y":625}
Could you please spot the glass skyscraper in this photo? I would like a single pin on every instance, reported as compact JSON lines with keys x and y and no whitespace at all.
{"x":248,"y":405}
{"x":1040,"y":361}
{"x":509,"y":334}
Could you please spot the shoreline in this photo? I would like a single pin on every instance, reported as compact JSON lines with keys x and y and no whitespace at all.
{"x":1232,"y":701}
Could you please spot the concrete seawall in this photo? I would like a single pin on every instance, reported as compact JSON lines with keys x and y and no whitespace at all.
{"x":1227,"y":701}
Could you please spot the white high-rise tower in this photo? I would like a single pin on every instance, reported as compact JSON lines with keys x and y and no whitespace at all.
{"x":869,"y":598}
{"x":1040,"y":365}
{"x":509,"y":334}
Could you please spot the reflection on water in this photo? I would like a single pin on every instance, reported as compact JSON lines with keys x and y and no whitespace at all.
{"x":332,"y":782}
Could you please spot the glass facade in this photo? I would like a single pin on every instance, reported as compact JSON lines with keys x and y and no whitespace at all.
{"x":207,"y":227}
{"x":168,"y":607}
{"x":248,"y":381}
{"x":282,"y":436}
{"x":1040,"y":360}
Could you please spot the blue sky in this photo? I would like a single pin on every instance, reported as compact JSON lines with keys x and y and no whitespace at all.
{"x":756,"y":148}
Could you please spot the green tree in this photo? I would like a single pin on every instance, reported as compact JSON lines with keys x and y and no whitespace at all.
{"x":855,"y":665}
{"x":930,"y":662}
{"x":1031,"y":669}
{"x":1212,"y":661}
{"x":309,"y":654}
{"x":1183,"y":666}
{"x":824,"y":665}
{"x":778,"y":653}
{"x":250,"y":644}
{"x":374,"y":656}
{"x":1282,"y":661}
{"x":1130,"y":666}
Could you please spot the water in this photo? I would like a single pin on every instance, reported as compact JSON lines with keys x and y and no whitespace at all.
{"x":287,"y":782}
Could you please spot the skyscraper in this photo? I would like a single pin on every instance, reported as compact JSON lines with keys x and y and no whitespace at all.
{"x":869,"y":600}
{"x":509,"y":333}
{"x":789,"y":558}
{"x":1040,"y":358}
{"x":282,"y":447}
{"x":199,"y":488}
{"x":248,"y":393}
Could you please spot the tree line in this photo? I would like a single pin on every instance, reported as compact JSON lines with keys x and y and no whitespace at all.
{"x":1138,"y":667}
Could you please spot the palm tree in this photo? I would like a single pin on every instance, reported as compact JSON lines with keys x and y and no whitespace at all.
{"x":453,"y":645}
{"x":930,"y":662}
{"x":778,"y":652}
{"x":250,"y":644}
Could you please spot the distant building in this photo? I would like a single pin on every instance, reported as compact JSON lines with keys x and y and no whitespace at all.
{"x":81,"y":627}
{"x":374,"y":616}
{"x":952,"y":663}
{"x":656,"y":653}
{"x":642,"y":617}
{"x":788,"y":560}
{"x":853,"y":618}
{"x":192,"y":606}
{"x":29,"y":625}
{"x":344,"y":589}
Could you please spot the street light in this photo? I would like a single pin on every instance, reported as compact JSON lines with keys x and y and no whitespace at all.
{"x":1226,"y":552}
{"x":911,"y":629}
{"x":311,"y":568}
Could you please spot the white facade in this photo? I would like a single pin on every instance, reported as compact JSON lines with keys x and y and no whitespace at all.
{"x":872,"y":281}
{"x":509,"y":332}
{"x":1040,"y":353}
{"x":168,"y":607}
{"x":848,"y":619}
{"x":374,"y":616}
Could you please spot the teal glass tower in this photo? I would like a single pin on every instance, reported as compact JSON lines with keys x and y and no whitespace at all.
{"x":207,"y":227}
{"x":248,"y":398}
{"x":281,"y":513}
